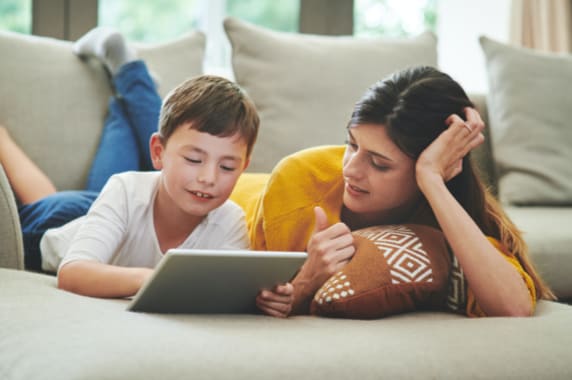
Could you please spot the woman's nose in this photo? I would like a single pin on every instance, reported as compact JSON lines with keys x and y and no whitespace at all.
{"x":353,"y":166}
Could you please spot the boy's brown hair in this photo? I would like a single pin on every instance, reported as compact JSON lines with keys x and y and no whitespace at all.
{"x":211,"y":104}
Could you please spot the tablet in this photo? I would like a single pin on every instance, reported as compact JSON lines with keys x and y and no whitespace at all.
{"x":214,"y":281}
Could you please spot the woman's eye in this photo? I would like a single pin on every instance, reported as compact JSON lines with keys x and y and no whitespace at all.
{"x":353,"y":146}
{"x":379,"y":167}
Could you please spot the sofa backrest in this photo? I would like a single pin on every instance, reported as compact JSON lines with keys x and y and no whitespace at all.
{"x":54,"y":104}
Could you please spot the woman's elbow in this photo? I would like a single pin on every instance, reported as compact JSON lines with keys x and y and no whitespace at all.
{"x":520,"y":309}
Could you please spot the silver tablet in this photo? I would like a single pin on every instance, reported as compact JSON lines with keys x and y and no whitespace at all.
{"x":214,"y":281}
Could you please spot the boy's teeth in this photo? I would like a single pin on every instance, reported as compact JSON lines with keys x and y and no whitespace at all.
{"x":202,"y":195}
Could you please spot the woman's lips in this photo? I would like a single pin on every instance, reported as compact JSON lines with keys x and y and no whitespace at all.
{"x":354,"y":190}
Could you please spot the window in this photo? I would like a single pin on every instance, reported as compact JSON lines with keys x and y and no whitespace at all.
{"x":394,"y":18}
{"x":16,"y":15}
{"x":149,"y":20}
{"x":277,"y":15}
{"x":156,"y":21}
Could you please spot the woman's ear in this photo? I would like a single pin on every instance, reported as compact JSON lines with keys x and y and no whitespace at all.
{"x":156,"y":149}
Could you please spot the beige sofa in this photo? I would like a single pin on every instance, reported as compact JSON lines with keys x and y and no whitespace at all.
{"x":304,"y":86}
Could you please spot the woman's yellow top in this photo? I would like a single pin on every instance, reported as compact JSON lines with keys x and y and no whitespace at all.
{"x":279,"y":206}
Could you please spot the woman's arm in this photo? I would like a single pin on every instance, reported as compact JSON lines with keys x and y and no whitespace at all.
{"x":496,"y":284}
{"x":90,"y":278}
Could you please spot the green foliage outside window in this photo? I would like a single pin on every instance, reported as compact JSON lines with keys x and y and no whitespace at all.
{"x":155,"y":20}
{"x":394,"y":18}
{"x":278,"y":15}
{"x":150,"y":20}
{"x":16,"y":15}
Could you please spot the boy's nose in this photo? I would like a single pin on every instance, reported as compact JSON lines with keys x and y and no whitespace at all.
{"x":207,"y":175}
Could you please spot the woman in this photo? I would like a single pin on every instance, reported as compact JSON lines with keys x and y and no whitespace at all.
{"x":406,"y":161}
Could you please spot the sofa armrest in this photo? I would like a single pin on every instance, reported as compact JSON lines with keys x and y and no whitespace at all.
{"x":11,"y":245}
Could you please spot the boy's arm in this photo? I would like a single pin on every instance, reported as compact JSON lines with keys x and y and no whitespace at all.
{"x":95,"y":279}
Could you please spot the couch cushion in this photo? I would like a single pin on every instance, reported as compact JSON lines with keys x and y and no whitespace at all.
{"x":548,"y":233}
{"x":54,"y":104}
{"x":48,"y":333}
{"x":395,"y":269}
{"x":529,"y":107}
{"x":305,"y":86}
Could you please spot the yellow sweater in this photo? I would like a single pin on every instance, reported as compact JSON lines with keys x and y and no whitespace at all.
{"x":279,"y":206}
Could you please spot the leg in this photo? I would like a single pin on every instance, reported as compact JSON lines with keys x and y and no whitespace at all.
{"x":27,"y":180}
{"x":132,"y":83}
{"x":50,"y":212}
{"x":118,"y":150}
{"x":141,"y":103}
{"x":106,"y":45}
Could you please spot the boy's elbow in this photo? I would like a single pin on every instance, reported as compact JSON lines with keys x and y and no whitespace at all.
{"x":65,"y":278}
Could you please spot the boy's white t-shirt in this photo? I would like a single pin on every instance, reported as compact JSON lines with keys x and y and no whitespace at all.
{"x":118,"y":228}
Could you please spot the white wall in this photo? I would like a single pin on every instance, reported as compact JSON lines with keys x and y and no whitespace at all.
{"x":460,"y":23}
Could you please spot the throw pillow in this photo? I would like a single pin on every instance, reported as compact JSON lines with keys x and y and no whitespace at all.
{"x":51,"y":98}
{"x":529,"y":108}
{"x":305,"y":86}
{"x":395,"y":269}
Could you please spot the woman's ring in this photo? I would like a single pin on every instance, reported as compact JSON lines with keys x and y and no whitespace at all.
{"x":468,"y":127}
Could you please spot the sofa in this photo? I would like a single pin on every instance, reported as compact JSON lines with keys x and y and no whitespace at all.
{"x":304,"y":86}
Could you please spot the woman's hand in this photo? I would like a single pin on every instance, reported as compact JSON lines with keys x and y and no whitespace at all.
{"x":276,"y":302}
{"x":443,"y":158}
{"x":330,"y":248}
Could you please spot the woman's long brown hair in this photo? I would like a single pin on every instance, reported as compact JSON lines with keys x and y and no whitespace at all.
{"x":413,"y":105}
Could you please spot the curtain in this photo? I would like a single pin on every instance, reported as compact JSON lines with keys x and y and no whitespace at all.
{"x":542,"y":24}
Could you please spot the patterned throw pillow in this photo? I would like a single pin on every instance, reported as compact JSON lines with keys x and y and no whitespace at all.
{"x":395,"y":269}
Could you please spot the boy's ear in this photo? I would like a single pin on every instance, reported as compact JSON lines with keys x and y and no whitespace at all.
{"x":246,"y":163}
{"x":156,"y":148}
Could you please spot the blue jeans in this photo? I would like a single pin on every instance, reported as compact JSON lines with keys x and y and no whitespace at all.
{"x":132,"y":118}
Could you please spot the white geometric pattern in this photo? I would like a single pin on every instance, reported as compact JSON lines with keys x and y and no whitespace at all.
{"x":407,"y":259}
{"x":337,"y":287}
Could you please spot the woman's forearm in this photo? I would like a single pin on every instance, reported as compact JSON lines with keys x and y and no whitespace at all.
{"x":496,"y":284}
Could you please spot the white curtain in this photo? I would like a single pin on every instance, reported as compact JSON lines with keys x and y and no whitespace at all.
{"x":542,"y":24}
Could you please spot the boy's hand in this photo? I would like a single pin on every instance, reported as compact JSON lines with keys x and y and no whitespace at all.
{"x":276,"y":302}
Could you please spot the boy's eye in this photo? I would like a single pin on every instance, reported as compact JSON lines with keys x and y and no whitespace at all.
{"x":193,"y":160}
{"x":227,"y":168}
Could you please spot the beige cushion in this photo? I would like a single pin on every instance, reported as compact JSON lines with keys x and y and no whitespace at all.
{"x":47,"y":333}
{"x":530,"y":111}
{"x":548,"y":233}
{"x":305,"y":86}
{"x":54,"y":104}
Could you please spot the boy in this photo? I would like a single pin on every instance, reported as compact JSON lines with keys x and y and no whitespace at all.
{"x":207,"y":129}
